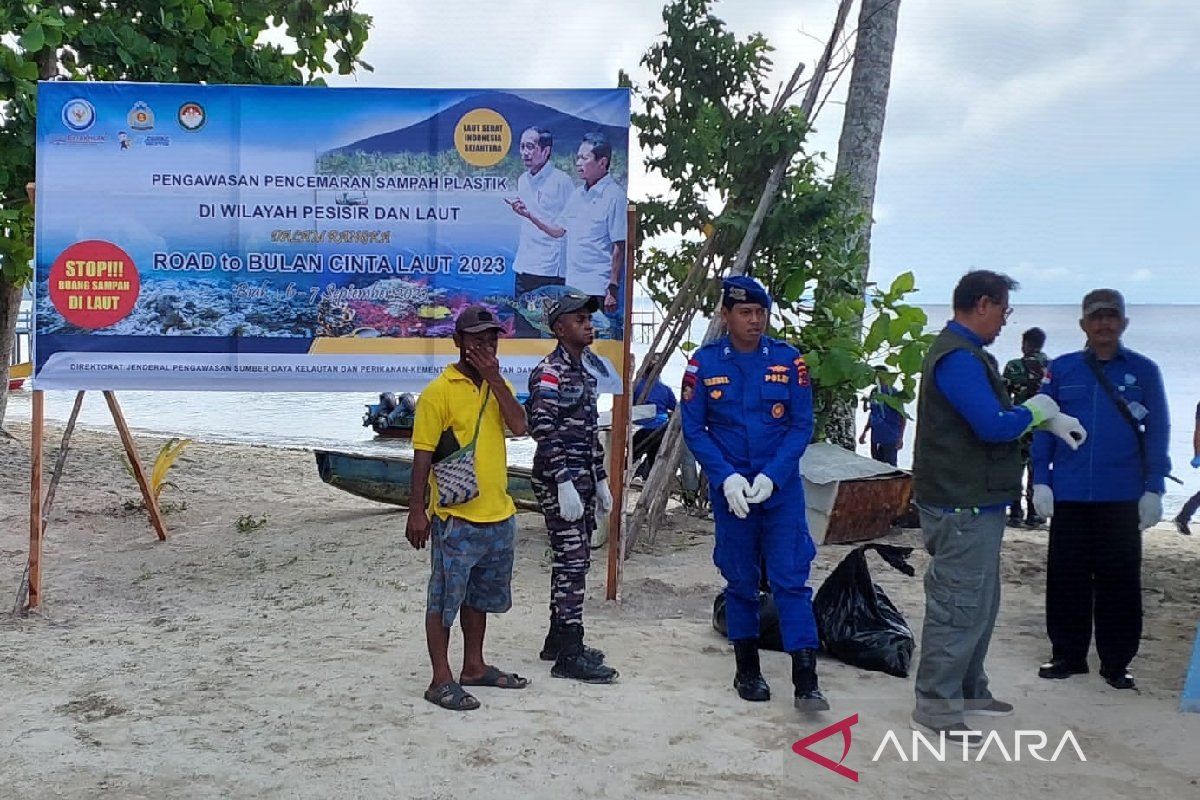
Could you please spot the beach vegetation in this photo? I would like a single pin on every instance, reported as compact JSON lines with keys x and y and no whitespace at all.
{"x":712,"y":130}
{"x":167,"y":455}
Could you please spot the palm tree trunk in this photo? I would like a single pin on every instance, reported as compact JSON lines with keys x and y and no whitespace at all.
{"x":858,"y":150}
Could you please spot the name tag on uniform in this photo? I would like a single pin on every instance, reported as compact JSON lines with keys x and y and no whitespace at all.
{"x":777,"y":378}
{"x":719,"y":380}
{"x":570,"y":392}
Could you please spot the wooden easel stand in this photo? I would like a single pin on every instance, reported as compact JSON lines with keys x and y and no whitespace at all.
{"x":29,"y":595}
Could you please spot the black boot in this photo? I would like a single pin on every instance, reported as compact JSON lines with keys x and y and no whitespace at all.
{"x":804,"y":678}
{"x":749,"y":680}
{"x":573,"y":662}
{"x":553,"y":644}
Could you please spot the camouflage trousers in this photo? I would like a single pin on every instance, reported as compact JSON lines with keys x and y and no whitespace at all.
{"x":571,"y":544}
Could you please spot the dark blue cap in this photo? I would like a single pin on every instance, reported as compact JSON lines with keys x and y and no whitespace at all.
{"x":744,"y":289}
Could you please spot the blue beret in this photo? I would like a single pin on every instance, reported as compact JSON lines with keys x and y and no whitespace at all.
{"x":744,"y":289}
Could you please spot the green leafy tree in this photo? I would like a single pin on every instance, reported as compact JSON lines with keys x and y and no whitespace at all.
{"x":288,"y":42}
{"x":713,"y":132}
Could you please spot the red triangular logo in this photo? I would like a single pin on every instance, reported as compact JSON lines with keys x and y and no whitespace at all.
{"x":800,"y":748}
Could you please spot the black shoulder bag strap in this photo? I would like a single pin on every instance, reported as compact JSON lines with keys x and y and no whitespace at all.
{"x":1122,"y":405}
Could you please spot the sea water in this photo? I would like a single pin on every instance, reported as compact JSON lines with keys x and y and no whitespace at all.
{"x":1165,"y":333}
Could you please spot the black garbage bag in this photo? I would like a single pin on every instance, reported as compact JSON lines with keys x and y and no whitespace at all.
{"x":769,"y":635}
{"x":856,"y":620}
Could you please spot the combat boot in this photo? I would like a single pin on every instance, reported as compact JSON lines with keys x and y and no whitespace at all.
{"x":553,"y":644}
{"x":573,"y":662}
{"x":749,"y":680}
{"x":804,"y":678}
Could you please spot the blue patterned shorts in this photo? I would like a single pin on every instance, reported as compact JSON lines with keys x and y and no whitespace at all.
{"x":472,"y":566}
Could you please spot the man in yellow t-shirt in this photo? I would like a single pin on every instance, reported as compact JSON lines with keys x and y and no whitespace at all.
{"x":471,"y":543}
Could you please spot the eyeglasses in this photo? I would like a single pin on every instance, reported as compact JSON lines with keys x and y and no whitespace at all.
{"x":1006,"y":309}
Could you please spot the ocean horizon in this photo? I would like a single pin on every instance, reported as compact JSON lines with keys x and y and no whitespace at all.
{"x":334,"y":420}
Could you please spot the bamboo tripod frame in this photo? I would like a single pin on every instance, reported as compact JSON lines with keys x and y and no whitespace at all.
{"x":29,"y":595}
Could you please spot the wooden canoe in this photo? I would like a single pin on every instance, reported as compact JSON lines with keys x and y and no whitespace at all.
{"x":387,"y":479}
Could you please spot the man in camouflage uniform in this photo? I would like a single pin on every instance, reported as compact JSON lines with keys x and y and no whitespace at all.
{"x":570,"y":481}
{"x":1024,"y":377}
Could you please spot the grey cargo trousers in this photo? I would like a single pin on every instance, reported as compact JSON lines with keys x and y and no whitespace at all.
{"x":962,"y":597}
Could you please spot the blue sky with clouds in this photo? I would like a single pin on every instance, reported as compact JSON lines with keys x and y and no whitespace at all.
{"x":1052,"y":139}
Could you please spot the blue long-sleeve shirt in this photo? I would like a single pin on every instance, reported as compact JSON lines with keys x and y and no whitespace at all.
{"x":664,"y":403}
{"x":963,"y":380}
{"x":1108,"y":466}
{"x":749,"y":413}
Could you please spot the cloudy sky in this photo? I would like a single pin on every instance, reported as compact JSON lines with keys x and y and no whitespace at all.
{"x":1055,"y":140}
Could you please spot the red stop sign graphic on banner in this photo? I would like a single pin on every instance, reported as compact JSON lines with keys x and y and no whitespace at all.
{"x":94,"y":284}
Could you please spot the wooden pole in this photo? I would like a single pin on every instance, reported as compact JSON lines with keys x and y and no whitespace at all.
{"x":35,"y":502}
{"x":619,"y":438}
{"x":59,"y":465}
{"x":135,"y":462}
{"x":60,"y":462}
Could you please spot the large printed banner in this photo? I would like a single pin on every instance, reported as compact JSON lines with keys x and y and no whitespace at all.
{"x":296,"y":239}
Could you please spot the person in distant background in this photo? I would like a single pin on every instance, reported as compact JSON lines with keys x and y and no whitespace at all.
{"x":1024,"y":377}
{"x":886,"y":425}
{"x":1189,"y":508}
{"x":649,"y":433}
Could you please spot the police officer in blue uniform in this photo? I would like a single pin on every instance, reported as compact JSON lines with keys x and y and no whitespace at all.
{"x":747,"y":417}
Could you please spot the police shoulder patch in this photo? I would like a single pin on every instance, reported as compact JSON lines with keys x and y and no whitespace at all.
{"x":801,"y":371}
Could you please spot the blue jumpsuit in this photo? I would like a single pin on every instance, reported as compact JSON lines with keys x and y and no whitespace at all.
{"x":752,"y":413}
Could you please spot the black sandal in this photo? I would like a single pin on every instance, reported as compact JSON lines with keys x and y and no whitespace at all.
{"x":452,"y":697}
{"x":494,"y":676}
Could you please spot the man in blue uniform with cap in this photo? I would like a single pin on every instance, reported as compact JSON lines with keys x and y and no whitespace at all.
{"x":747,"y":417}
{"x":1101,"y":496}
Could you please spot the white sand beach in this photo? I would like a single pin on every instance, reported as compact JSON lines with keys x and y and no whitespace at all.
{"x":289,"y":661}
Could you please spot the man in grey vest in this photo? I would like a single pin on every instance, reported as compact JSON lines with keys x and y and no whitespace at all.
{"x":966,"y":469}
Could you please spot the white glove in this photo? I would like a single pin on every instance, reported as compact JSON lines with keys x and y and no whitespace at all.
{"x":570,"y":506}
{"x":1043,"y":408}
{"x":1150,"y":511}
{"x":735,"y":488}
{"x":761,"y":490}
{"x":1067,"y":428}
{"x":604,"y":498}
{"x":1043,"y":500}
